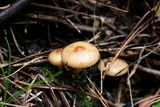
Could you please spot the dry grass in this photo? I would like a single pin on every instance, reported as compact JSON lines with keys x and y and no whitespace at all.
{"x":126,"y":29}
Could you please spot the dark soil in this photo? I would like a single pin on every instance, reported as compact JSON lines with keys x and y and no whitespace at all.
{"x":30,"y":32}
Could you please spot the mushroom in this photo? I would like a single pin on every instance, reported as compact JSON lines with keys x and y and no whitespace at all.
{"x":80,"y":55}
{"x":118,"y":68}
{"x":55,"y":58}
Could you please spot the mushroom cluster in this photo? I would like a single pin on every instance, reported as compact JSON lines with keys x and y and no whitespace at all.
{"x":78,"y":55}
{"x":118,"y":68}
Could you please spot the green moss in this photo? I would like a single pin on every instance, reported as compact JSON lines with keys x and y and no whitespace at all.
{"x":157,"y":104}
{"x":85,"y":102}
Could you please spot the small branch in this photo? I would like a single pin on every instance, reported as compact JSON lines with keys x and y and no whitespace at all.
{"x":13,"y":9}
{"x":49,"y":18}
{"x":149,"y":70}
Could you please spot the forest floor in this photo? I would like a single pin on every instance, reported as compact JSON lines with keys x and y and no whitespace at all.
{"x":126,"y":29}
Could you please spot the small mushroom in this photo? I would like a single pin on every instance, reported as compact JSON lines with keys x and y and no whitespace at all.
{"x":55,"y":58}
{"x":80,"y":55}
{"x":118,"y":68}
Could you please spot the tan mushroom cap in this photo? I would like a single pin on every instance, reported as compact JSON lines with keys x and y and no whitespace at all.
{"x":80,"y":54}
{"x":55,"y":57}
{"x":118,"y":68}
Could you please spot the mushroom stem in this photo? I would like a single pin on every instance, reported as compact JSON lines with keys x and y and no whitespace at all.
{"x":77,"y":70}
{"x":59,"y":67}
